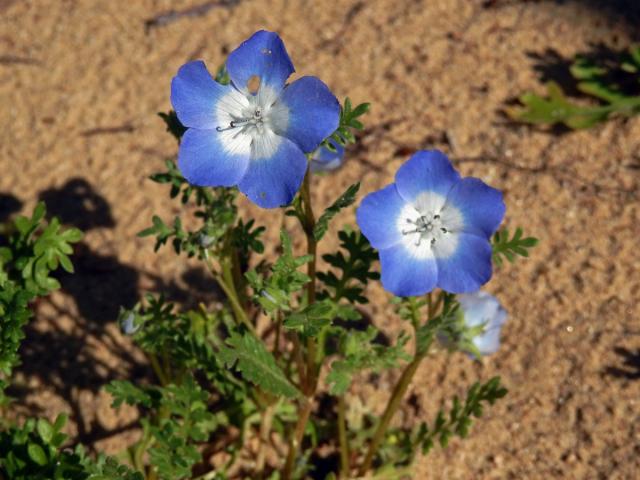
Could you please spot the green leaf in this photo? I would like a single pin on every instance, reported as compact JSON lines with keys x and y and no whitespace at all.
{"x":174,"y":126}
{"x":509,"y":248}
{"x":348,"y":123}
{"x":604,"y":80}
{"x":360,"y":351}
{"x":352,"y":269}
{"x":460,"y":418}
{"x":45,"y":430}
{"x":256,"y":364}
{"x":36,"y":453}
{"x":345,"y":200}
{"x":125,"y":392}
{"x":312,"y":319}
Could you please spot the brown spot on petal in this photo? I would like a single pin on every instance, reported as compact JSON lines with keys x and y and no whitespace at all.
{"x":253,"y":84}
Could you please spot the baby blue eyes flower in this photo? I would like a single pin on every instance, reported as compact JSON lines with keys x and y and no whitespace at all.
{"x":254,"y":132}
{"x":481,"y":309}
{"x":324,"y":160}
{"x":432,"y":227}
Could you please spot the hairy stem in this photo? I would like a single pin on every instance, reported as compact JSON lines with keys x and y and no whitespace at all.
{"x":310,"y":381}
{"x":265,"y":429}
{"x":296,"y":437}
{"x":312,"y":249}
{"x":343,"y":440}
{"x":392,"y":406}
{"x":225,"y":281}
{"x":401,"y":386}
{"x":157,"y":369}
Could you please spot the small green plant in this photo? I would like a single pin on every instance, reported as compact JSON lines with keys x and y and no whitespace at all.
{"x":612,"y":86}
{"x":258,"y":381}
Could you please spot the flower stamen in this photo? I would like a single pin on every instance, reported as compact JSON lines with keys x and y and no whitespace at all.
{"x":426,"y":228}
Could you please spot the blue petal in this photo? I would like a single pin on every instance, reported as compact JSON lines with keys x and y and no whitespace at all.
{"x":405,"y":275}
{"x":377,"y":217}
{"x":314,"y":112}
{"x":468,"y":268}
{"x":264,"y":56}
{"x":272,"y":182}
{"x":426,"y":171}
{"x":194,"y":94}
{"x":204,"y":160}
{"x":481,"y":206}
{"x":324,"y":160}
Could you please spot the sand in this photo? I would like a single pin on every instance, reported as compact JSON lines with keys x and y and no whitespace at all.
{"x":81,"y":81}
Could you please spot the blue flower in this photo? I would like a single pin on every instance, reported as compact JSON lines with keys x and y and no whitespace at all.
{"x":480,"y":309}
{"x":324,"y":160}
{"x":432,"y":227}
{"x":254,"y":132}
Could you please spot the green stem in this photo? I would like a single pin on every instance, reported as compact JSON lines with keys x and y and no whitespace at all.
{"x":296,"y":437}
{"x":392,"y":406}
{"x":400,"y":388}
{"x":265,"y":429}
{"x":226,"y":284}
{"x":157,"y":369}
{"x":343,"y":440}
{"x":312,"y":250}
{"x":310,"y":382}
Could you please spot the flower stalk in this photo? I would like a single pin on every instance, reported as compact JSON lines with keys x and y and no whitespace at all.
{"x":310,"y":381}
{"x":401,"y":386}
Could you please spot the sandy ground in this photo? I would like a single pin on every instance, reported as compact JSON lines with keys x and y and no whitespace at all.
{"x":81,"y":81}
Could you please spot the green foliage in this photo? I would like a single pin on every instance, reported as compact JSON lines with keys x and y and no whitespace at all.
{"x":181,"y":341}
{"x":257,"y":364}
{"x":354,"y":269}
{"x":222,"y":75}
{"x":460,"y":417}
{"x":35,"y":452}
{"x":314,"y":318}
{"x":509,"y":248}
{"x":185,"y":421}
{"x":108,"y":468}
{"x":360,"y":351}
{"x":217,"y":214}
{"x":345,"y":200}
{"x":33,"y":251}
{"x":349,"y":122}
{"x":174,"y":127}
{"x":125,"y":392}
{"x":274,"y":292}
{"x":36,"y":249}
{"x":601,"y":81}
{"x":445,"y":323}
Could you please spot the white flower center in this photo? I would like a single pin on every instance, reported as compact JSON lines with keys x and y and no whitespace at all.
{"x":429,"y":226}
{"x":251,"y":124}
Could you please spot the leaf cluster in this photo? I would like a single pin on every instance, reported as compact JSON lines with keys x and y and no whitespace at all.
{"x":257,"y":364}
{"x":459,"y":419}
{"x":183,"y":421}
{"x":352,"y":269}
{"x":35,"y":451}
{"x":33,"y":249}
{"x":274,"y":292}
{"x":183,"y":342}
{"x":509,"y":248}
{"x":349,"y":123}
{"x":600,"y":80}
{"x":359,"y":350}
